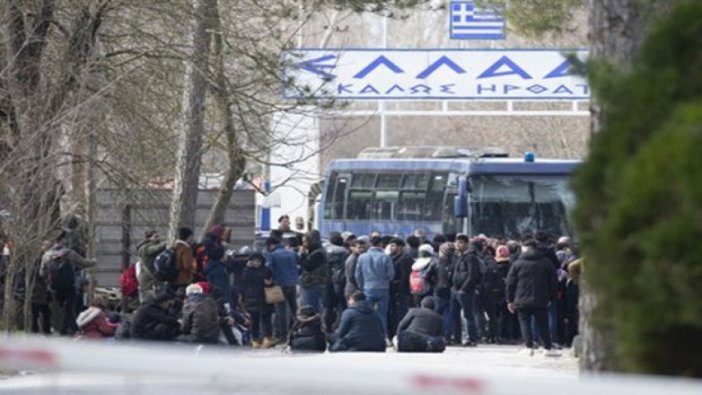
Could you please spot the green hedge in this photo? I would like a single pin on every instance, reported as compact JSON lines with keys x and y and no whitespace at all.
{"x":639,"y":212}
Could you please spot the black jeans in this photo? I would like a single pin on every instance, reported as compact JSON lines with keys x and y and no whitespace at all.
{"x":285,"y":311}
{"x":334,"y":305}
{"x":541,"y":315}
{"x":43,"y":310}
{"x":261,"y":321}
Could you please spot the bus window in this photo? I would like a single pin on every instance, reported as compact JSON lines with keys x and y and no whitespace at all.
{"x":435,"y":198}
{"x":512,"y":206}
{"x":329,"y":202}
{"x":411,"y":205}
{"x":385,"y":205}
{"x":339,"y":196}
{"x":363,"y":181}
{"x":360,"y":204}
{"x":389,"y":181}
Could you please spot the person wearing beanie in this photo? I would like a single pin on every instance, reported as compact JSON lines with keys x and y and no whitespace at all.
{"x":493,"y":291}
{"x":200,"y":317}
{"x":256,"y":277}
{"x":423,"y":276}
{"x":307,"y":334}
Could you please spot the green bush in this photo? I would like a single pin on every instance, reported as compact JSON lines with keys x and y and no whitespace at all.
{"x":639,"y":212}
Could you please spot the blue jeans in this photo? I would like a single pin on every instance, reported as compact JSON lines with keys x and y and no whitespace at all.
{"x":313,"y":296}
{"x":379,"y":299}
{"x":466,"y":301}
{"x":443,"y":307}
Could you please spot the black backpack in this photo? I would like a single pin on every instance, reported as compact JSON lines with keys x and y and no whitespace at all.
{"x":494,"y":282}
{"x":61,"y":277}
{"x":165,"y":266}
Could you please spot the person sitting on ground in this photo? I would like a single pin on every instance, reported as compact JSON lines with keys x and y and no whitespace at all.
{"x":93,"y":322}
{"x":152,"y":321}
{"x":421,"y":330}
{"x":201,"y":322}
{"x":360,"y":328}
{"x":307,"y":334}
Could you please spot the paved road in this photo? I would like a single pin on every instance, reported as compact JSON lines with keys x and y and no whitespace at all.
{"x":133,"y":369}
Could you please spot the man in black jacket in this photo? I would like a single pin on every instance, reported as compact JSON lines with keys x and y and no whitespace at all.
{"x":466,"y":277}
{"x":531,"y":286}
{"x":152,"y":321}
{"x":421,"y":330}
{"x":399,"y":287}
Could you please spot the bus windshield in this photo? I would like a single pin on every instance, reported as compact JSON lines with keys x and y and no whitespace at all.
{"x":510,"y":206}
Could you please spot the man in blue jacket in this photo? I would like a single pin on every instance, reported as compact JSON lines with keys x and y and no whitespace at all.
{"x":360,"y":328}
{"x":284,"y":265}
{"x":374,"y":272}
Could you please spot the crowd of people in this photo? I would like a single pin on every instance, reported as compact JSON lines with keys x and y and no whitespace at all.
{"x":345,"y":293}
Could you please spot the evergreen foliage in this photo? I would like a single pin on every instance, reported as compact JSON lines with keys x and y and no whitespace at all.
{"x":639,"y":213}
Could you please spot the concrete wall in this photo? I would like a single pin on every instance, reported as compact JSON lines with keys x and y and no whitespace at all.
{"x":123,"y":219}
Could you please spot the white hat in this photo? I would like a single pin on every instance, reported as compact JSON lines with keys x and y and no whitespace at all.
{"x":87,"y":316}
{"x":193,"y":289}
{"x":426,"y":248}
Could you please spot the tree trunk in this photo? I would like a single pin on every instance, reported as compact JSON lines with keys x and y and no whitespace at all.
{"x":617,"y":28}
{"x":189,"y":153}
{"x":237,"y":160}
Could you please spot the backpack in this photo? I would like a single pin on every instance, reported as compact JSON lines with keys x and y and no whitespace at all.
{"x":165,"y":266}
{"x":419,"y":282}
{"x":493,"y":282}
{"x":61,"y":276}
{"x":128,"y":282}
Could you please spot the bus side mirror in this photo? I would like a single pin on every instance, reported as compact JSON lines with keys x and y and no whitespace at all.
{"x":460,"y":207}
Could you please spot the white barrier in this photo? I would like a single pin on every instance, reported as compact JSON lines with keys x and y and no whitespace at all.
{"x":338,"y":374}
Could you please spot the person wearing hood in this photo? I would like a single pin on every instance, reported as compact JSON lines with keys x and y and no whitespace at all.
{"x":336,"y":283}
{"x":314,"y":272}
{"x":421,"y":330}
{"x":58,"y":266}
{"x":147,"y":250}
{"x":423,"y":276}
{"x":360,"y":328}
{"x":200,"y":317}
{"x":256,"y":277}
{"x":153,"y":321}
{"x":93,"y":322}
{"x":307,"y":334}
{"x":531,"y":286}
{"x":217,"y":274}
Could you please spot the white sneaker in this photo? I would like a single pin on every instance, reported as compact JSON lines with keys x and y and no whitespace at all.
{"x":551,"y":353}
{"x":527,"y":352}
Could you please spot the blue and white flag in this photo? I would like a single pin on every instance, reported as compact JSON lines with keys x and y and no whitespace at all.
{"x":468,"y":22}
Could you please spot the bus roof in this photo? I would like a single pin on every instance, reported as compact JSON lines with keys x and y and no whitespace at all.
{"x":467,"y":166}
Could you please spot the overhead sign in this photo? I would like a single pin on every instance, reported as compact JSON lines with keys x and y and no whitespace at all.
{"x":468,"y":22}
{"x":432,"y":74}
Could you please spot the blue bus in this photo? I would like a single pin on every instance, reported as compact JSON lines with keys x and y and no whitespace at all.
{"x":399,"y":190}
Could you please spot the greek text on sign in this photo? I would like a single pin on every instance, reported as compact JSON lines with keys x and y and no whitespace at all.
{"x":426,"y":74}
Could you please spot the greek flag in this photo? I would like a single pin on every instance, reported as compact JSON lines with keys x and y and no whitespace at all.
{"x":469,"y":22}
